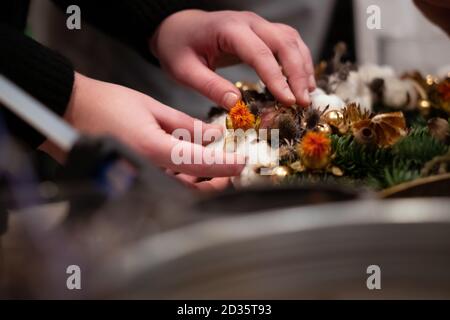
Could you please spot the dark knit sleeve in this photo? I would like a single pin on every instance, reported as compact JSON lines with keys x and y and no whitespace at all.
{"x":43,"y":73}
{"x":131,"y":21}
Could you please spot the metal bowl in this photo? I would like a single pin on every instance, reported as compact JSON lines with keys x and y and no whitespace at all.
{"x":302,"y":252}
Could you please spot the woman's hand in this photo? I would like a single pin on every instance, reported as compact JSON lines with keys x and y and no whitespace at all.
{"x":438,"y":11}
{"x":191,"y":44}
{"x":144,"y":124}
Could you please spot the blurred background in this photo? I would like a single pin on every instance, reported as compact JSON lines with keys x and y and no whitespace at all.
{"x":221,"y":257}
{"x":405,"y":41}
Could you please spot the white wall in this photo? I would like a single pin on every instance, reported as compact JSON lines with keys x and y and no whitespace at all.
{"x":406,"y":40}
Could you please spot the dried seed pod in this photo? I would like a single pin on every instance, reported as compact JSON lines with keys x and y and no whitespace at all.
{"x":363,"y":132}
{"x":288,"y":126}
{"x":389,"y":128}
{"x":283,"y":119}
{"x":310,"y":118}
{"x":439,"y":129}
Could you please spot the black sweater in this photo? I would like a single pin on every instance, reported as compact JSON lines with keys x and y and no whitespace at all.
{"x":47,"y":75}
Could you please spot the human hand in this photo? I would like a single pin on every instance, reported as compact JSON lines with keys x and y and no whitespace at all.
{"x":144,"y":124}
{"x":191,"y":44}
{"x":438,"y":11}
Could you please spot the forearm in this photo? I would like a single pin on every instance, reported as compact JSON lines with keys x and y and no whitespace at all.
{"x":132,"y":21}
{"x":43,"y":73}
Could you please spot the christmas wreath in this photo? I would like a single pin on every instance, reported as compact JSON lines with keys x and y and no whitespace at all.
{"x":366,"y":125}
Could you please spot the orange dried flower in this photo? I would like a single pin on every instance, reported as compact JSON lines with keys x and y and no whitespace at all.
{"x":241,"y":117}
{"x":315,"y":150}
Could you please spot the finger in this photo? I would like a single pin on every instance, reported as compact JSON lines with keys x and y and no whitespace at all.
{"x":194,"y":72}
{"x":252,"y":50}
{"x":309,"y":66}
{"x":187,"y":179}
{"x":304,"y":51}
{"x":286,"y":47}
{"x":216,"y":184}
{"x":189,"y":158}
{"x":171,"y":119}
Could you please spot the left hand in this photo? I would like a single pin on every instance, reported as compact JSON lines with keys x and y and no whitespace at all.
{"x":191,"y":44}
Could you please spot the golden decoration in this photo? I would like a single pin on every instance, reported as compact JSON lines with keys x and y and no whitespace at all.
{"x":353,"y":113}
{"x":297,"y":166}
{"x":335,"y":119}
{"x":424,"y":107}
{"x":279,"y":173}
{"x":324,"y":128}
{"x":336,"y":171}
{"x":246,"y":86}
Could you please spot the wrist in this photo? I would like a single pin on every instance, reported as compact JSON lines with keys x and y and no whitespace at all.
{"x":48,"y":146}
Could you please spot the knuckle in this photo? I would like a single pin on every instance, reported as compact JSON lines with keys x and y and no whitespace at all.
{"x":210,"y":87}
{"x":180,"y":72}
{"x":291,"y":43}
{"x":262,"y":53}
{"x":279,"y":78}
{"x":289,"y":30}
{"x":250,"y":15}
{"x":227,"y":29}
{"x":307,"y":51}
{"x":297,"y":77}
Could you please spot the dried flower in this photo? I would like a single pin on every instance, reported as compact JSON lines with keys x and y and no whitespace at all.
{"x":314,"y":150}
{"x":241,"y":117}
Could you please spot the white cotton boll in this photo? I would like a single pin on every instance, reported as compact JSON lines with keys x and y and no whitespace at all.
{"x":220,"y":120}
{"x":249,"y":177}
{"x":400,"y":94}
{"x":218,"y":144}
{"x":369,"y":72}
{"x":354,"y":90}
{"x":320,"y":100}
{"x":259,"y":155}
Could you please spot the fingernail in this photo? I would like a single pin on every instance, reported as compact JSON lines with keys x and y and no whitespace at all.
{"x":306,"y":97}
{"x":230,"y":99}
{"x":312,"y":82}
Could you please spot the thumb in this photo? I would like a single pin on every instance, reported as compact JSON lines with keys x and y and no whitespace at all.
{"x":194,"y":73}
